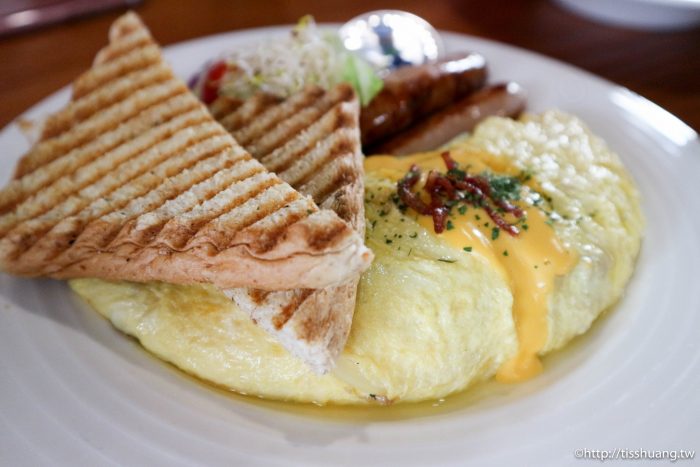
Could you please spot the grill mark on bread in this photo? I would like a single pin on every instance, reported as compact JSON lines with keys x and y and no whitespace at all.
{"x":290,"y":307}
{"x":267,"y":236}
{"x":126,"y":25}
{"x":155,"y":197}
{"x":224,"y":106}
{"x":305,"y":168}
{"x":284,"y":132}
{"x":298,"y":156}
{"x":111,"y":223}
{"x":233,"y":171}
{"x":312,"y":327}
{"x":339,"y":173}
{"x":119,"y":221}
{"x":274,"y":115}
{"x":31,"y":232}
{"x":270,"y":203}
{"x":185,"y":228}
{"x":106,"y":120}
{"x":248,"y":111}
{"x":281,"y":158}
{"x":299,"y":121}
{"x":103,"y":97}
{"x":96,"y":77}
{"x":258,"y":296}
{"x":98,"y":178}
{"x":157,"y":175}
{"x":285,"y":155}
{"x":128,"y":41}
{"x":162,"y":113}
{"x":288,"y":124}
{"x":322,"y":238}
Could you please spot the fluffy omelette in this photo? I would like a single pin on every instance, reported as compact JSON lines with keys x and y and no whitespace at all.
{"x":435,"y":313}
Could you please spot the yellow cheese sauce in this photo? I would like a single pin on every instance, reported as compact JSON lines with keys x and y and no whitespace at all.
{"x":529,"y":262}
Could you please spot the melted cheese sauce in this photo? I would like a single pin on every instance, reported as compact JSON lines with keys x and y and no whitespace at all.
{"x":530,"y":262}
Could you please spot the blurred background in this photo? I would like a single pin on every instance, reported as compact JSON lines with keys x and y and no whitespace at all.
{"x":653,"y":50}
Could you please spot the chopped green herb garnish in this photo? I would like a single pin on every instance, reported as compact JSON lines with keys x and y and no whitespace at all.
{"x":462,"y":209}
{"x":525,"y":175}
{"x":495,"y":232}
{"x":457,"y":173}
{"x":467,"y":248}
{"x":413,"y":235}
{"x":505,"y":252}
{"x":503,"y":187}
{"x":449,"y":225}
{"x":388,"y":241}
{"x":447,"y":260}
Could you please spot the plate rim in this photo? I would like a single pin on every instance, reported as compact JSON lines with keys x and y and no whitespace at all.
{"x":514,"y":49}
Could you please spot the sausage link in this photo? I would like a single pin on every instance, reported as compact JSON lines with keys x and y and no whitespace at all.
{"x":506,"y":100}
{"x":412,"y":92}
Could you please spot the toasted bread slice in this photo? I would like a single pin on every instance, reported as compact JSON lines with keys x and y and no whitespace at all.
{"x":312,"y":141}
{"x":134,"y":180}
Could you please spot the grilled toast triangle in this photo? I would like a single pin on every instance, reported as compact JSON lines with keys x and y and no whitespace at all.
{"x":312,"y":141}
{"x":134,"y":180}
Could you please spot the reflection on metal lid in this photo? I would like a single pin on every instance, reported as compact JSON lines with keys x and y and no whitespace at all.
{"x":389,"y":39}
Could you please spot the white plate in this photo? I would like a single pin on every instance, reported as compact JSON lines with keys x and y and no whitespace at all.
{"x":641,"y":14}
{"x":73,"y":391}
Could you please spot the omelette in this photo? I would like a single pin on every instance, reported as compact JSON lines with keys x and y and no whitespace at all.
{"x":440,"y":309}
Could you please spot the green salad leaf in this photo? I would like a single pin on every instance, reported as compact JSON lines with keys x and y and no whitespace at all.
{"x":284,"y":66}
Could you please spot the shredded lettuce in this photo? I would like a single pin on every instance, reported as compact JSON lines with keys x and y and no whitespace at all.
{"x":358,"y":73}
{"x":306,"y":57}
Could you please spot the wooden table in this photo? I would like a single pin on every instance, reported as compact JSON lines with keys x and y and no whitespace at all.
{"x":664,"y":67}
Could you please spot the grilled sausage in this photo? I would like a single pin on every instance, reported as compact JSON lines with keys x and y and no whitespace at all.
{"x":506,"y":100}
{"x":413,"y":92}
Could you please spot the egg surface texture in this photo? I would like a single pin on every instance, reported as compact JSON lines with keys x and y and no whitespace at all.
{"x":436,"y":312}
